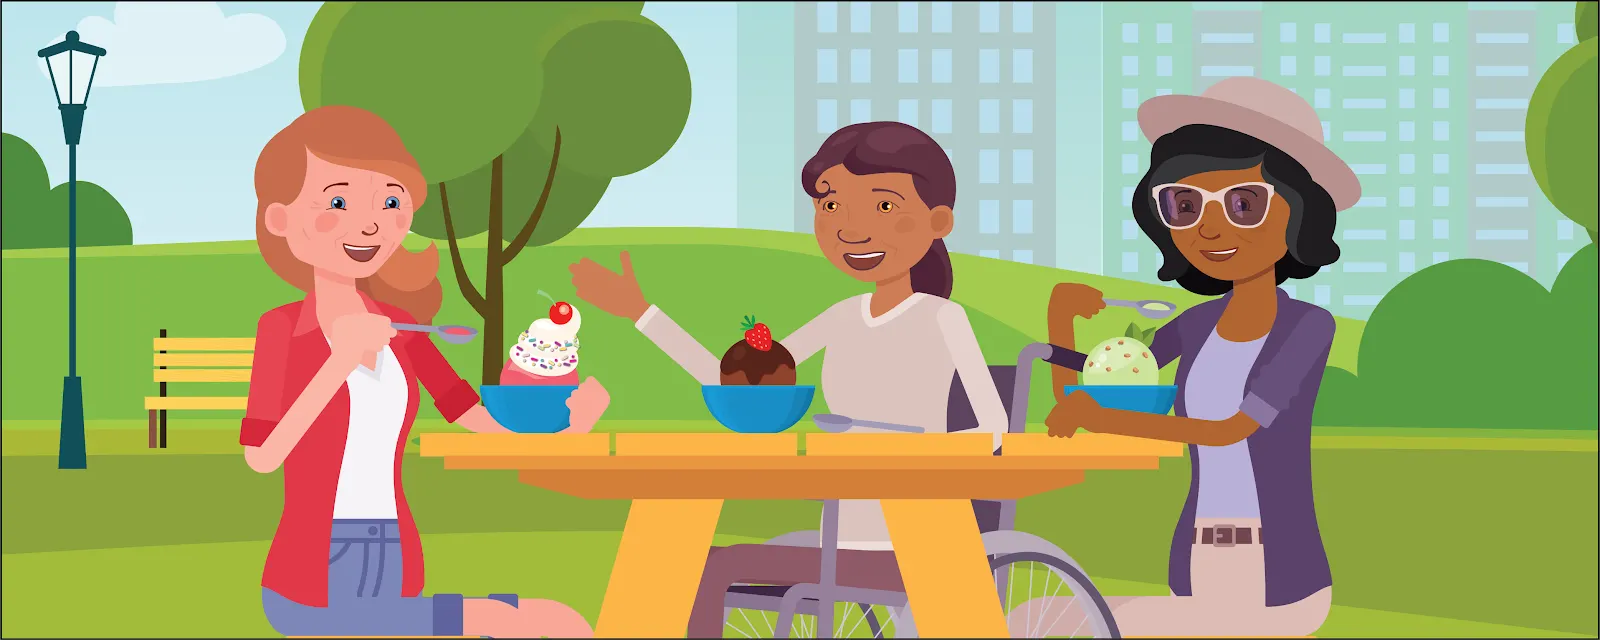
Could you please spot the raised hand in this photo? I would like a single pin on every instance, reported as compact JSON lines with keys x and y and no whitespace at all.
{"x":615,"y":293}
{"x":1072,"y":299}
{"x":358,"y":337}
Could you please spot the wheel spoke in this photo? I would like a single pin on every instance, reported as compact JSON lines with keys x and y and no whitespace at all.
{"x":852,"y":632}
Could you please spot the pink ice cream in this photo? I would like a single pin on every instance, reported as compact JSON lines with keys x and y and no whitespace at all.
{"x":545,"y":354}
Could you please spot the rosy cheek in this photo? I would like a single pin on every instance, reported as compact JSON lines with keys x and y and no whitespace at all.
{"x":325,"y":222}
{"x":402,"y":220}
{"x":904,"y":225}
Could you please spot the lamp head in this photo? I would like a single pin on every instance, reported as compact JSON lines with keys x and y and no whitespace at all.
{"x":72,"y":63}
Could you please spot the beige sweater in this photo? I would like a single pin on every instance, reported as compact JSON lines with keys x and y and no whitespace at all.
{"x":894,"y":368}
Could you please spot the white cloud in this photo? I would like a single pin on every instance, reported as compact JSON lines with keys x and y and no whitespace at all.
{"x":176,"y":42}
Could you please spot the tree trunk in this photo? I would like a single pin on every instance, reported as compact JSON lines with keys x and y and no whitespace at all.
{"x":494,"y":316}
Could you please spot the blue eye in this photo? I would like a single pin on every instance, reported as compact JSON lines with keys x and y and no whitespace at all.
{"x":391,"y":203}
{"x":337,"y":203}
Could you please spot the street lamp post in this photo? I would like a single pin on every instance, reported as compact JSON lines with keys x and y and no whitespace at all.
{"x":66,"y":61}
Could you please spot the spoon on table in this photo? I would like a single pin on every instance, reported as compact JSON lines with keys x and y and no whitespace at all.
{"x":451,"y":333}
{"x":835,"y":423}
{"x":1152,"y":309}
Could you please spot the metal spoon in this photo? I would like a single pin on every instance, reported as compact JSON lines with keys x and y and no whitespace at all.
{"x":451,"y":333}
{"x":835,"y":423}
{"x":1152,"y":309}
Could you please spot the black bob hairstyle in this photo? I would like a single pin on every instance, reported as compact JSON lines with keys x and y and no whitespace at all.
{"x":1198,"y":148}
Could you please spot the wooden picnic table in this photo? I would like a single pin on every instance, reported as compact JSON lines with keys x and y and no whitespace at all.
{"x":677,"y":483}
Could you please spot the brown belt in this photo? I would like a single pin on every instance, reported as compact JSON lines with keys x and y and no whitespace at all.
{"x":1227,"y":536}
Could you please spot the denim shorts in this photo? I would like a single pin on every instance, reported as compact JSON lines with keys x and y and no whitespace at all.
{"x":364,"y":580}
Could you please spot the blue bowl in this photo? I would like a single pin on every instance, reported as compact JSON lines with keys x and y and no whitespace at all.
{"x":529,"y":408}
{"x":1156,"y":399}
{"x":758,"y":408}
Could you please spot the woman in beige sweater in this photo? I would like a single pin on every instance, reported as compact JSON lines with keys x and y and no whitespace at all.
{"x":883,"y":193}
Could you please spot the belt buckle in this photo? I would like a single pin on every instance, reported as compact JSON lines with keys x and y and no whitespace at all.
{"x":1222,"y":535}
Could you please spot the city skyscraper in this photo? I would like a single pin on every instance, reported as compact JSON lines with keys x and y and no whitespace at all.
{"x":768,"y":172}
{"x":978,"y":77}
{"x":1426,"y":102}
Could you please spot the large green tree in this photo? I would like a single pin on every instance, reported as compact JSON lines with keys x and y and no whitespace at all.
{"x":519,"y":113}
{"x":34,"y":216}
{"x":1561,"y":128}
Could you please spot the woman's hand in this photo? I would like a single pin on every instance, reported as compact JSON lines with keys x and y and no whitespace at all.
{"x":1070,"y":299}
{"x":1078,"y":410}
{"x":354,"y":337}
{"x":478,"y":420}
{"x":587,"y":404}
{"x":615,"y":293}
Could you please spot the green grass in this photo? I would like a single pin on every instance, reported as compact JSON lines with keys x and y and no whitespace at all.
{"x":1421,"y":542}
{"x":706,"y":278}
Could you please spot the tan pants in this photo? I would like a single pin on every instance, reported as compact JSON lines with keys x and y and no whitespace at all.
{"x":1229,"y":587}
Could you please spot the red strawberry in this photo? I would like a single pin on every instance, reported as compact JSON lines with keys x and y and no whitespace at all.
{"x":757,"y":334}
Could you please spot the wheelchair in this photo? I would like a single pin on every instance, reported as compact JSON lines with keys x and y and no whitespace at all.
{"x":1021,"y":562}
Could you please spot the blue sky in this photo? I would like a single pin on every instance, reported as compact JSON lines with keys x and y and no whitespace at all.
{"x":179,"y":150}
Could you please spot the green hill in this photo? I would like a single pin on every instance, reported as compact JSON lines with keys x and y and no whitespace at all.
{"x":706,"y":278}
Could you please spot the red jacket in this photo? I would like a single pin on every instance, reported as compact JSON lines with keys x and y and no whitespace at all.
{"x":290,"y":348}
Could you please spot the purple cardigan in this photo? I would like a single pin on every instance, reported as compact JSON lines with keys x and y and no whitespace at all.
{"x":1279,"y":395}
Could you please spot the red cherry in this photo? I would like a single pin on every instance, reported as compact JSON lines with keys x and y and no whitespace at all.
{"x":561,"y":313}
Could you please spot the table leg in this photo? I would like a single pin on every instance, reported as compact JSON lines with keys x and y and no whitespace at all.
{"x":658,"y":568}
{"x":947,"y":577}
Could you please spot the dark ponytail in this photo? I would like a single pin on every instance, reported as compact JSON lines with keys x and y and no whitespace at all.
{"x":895,"y":147}
{"x":932,"y":274}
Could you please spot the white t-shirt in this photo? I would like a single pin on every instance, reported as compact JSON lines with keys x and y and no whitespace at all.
{"x":894,"y":368}
{"x":367,"y":479}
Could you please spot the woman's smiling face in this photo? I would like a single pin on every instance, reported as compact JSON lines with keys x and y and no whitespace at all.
{"x":346,"y":221}
{"x":875,"y":227}
{"x":1216,"y":245}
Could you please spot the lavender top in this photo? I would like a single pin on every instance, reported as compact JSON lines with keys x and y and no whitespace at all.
{"x":1215,"y":390}
{"x":1279,"y":394}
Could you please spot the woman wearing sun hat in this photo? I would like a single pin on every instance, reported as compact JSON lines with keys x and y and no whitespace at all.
{"x":1240,"y":196}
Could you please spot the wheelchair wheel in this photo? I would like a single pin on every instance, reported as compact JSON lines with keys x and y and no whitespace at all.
{"x":1047,"y":596}
{"x":851,"y":620}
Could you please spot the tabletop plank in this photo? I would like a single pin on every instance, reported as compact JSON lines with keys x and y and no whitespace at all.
{"x":1087,"y":444}
{"x":899,"y":444}
{"x":623,"y":483}
{"x":516,"y":444}
{"x":708,"y":444}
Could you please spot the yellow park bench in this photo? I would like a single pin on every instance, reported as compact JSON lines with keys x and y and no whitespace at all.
{"x":196,"y":360}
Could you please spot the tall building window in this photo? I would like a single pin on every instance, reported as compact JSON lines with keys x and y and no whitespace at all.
{"x":1130,"y":131}
{"x":1322,"y":33}
{"x":1408,"y":262}
{"x":988,"y":17}
{"x":1286,"y":65}
{"x":1022,"y":17}
{"x":1408,"y":98}
{"x":1022,"y":166}
{"x":989,"y":116}
{"x":940,"y":113}
{"x":1441,"y":229}
{"x":988,"y":216}
{"x":1022,"y":217}
{"x":1408,"y":33}
{"x":1130,"y":230}
{"x":1440,"y":256}
{"x":908,"y":17}
{"x":1163,"y":33}
{"x":1408,"y":131}
{"x":1286,"y":32}
{"x":1130,"y":164}
{"x":1441,"y":98}
{"x":1441,"y":130}
{"x":1022,"y":66}
{"x":860,"y":111}
{"x":1441,"y":32}
{"x":941,"y":61}
{"x":1130,"y":33}
{"x":861,"y":65}
{"x":989,"y":253}
{"x":1408,"y":65}
{"x":1564,"y":229}
{"x":1322,"y":294}
{"x":1441,"y":197}
{"x":1024,"y":256}
{"x":827,"y":66}
{"x":989,"y":166}
{"x":1441,"y":164}
{"x":940,"y":20}
{"x":827,"y":17}
{"x":1566,"y":33}
{"x":861,"y":17}
{"x":1408,"y":229}
{"x":988,"y":65}
{"x":1130,"y":262}
{"x":1408,"y":164}
{"x":908,"y":111}
{"x":1408,"y":196}
{"x":1130,"y":98}
{"x":1164,"y":66}
{"x":1441,"y":65}
{"x":1322,"y":98}
{"x":1324,"y":65}
{"x":827,"y":116}
{"x":1130,"y":65}
{"x":1022,"y":115}
{"x":908,"y":66}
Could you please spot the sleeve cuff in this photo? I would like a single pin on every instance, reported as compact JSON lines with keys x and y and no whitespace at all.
{"x":646,"y":317}
{"x":253,"y":432}
{"x":448,"y":614}
{"x":455,"y":402}
{"x":1067,"y":358}
{"x":1259,"y":410}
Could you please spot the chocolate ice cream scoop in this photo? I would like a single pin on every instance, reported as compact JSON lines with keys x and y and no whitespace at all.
{"x":747,"y":365}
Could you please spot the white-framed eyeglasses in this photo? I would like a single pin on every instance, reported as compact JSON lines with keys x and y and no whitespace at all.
{"x":1180,"y":205}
